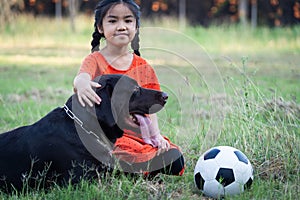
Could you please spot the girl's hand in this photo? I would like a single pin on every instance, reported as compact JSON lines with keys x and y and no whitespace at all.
{"x":151,"y":133}
{"x":84,"y":89}
{"x":162,"y":144}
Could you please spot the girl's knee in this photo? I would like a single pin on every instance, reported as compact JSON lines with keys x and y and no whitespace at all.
{"x":176,"y":167}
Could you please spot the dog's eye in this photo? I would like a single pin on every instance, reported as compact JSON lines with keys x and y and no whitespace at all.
{"x":136,"y":89}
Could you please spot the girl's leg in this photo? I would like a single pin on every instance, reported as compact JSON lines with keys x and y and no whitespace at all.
{"x":170,"y":162}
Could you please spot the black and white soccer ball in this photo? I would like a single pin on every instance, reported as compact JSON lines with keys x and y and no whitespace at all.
{"x":223,"y":171}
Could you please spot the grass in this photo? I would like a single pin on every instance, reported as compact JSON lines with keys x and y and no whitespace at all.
{"x":227,"y":86}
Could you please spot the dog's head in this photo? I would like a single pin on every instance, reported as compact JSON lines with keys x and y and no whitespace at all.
{"x":122,"y":98}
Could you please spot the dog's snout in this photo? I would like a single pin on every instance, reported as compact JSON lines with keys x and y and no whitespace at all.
{"x":164,"y":96}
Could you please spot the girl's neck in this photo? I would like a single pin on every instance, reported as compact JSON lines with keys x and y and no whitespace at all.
{"x":119,"y":58}
{"x":112,"y":52}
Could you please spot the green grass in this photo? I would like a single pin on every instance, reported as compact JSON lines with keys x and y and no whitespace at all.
{"x":227,"y":86}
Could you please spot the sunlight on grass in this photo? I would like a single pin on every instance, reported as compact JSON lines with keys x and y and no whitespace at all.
{"x":54,"y":61}
{"x":43,"y":32}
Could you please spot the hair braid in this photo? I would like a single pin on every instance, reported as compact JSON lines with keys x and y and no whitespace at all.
{"x":96,"y":39}
{"x":135,"y":43}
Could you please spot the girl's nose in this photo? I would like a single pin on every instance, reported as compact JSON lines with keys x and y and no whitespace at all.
{"x":121,"y":27}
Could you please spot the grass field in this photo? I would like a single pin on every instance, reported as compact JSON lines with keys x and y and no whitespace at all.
{"x":227,"y":86}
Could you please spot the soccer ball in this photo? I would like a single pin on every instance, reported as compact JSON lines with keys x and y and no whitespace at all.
{"x":223,"y":171}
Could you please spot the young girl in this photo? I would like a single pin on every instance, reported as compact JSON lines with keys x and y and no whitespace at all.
{"x":117,"y":21}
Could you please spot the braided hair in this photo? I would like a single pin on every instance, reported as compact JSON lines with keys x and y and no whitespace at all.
{"x":101,"y":10}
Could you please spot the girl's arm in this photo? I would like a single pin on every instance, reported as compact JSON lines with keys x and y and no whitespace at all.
{"x":83,"y":86}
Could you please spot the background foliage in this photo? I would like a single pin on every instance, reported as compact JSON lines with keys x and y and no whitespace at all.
{"x":272,"y":13}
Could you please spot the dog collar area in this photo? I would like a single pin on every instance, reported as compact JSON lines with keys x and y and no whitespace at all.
{"x":101,"y":138}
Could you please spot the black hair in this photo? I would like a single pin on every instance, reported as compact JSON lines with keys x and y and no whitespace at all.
{"x":101,"y":10}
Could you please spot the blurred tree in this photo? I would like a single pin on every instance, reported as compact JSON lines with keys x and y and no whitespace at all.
{"x":199,"y":12}
{"x":146,"y":8}
{"x":278,"y":12}
{"x":58,"y":9}
{"x":243,"y":11}
{"x":260,"y":12}
{"x":288,"y":9}
{"x":158,"y":8}
{"x":253,"y":13}
{"x":73,"y":10}
{"x":182,"y":13}
{"x":5,"y":13}
{"x":8,"y":9}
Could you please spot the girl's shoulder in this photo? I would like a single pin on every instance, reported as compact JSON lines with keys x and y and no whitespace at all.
{"x":139,"y":61}
{"x":97,"y":55}
{"x":97,"y":58}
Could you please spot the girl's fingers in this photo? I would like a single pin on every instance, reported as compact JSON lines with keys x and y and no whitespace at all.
{"x":85,"y":98}
{"x":168,"y":145}
{"x":158,"y":152}
{"x":163,"y":147}
{"x":86,"y":94}
{"x":94,"y":84}
{"x":90,"y":97}
{"x":80,"y":100}
{"x":88,"y":101}
{"x":95,"y":97}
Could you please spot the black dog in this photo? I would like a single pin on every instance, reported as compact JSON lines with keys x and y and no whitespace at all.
{"x":74,"y":142}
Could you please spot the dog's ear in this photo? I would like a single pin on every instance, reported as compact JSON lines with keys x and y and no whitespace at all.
{"x":101,"y":80}
{"x":103,"y":111}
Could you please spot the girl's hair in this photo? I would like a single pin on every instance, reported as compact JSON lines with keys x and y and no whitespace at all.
{"x":101,"y":10}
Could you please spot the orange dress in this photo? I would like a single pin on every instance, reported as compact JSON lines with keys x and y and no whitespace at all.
{"x":130,"y":147}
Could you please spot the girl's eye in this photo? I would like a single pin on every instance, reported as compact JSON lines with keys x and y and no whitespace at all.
{"x":112,"y":21}
{"x":128,"y":21}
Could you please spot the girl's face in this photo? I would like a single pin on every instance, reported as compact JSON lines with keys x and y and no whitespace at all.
{"x":118,"y":26}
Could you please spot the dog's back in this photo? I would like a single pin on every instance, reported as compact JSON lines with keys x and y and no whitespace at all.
{"x":45,"y":150}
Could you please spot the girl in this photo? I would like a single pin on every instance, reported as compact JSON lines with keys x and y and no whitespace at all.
{"x":117,"y":21}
